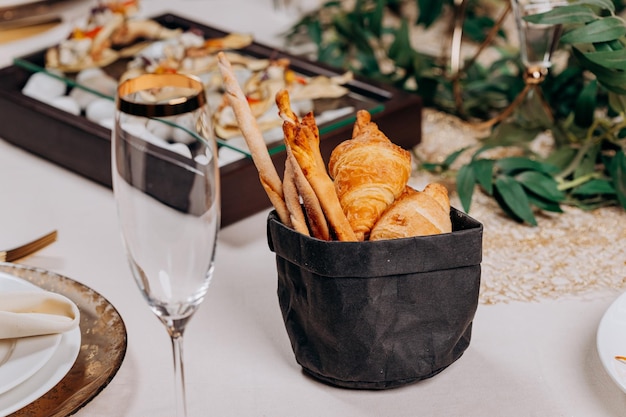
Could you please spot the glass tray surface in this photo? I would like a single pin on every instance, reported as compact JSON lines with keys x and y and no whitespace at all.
{"x":354,"y":99}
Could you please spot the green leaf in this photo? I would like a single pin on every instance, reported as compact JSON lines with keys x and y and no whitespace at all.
{"x":483,"y":171}
{"x":614,"y":45}
{"x":331,"y":54}
{"x":591,"y":204}
{"x":465,"y":184}
{"x":586,"y":104}
{"x":401,"y":50}
{"x":376,"y":19}
{"x":611,"y":79}
{"x":505,"y":208}
{"x":594,"y":187}
{"x":543,"y":204}
{"x":602,"y":30}
{"x":562,"y":90}
{"x":609,"y":59}
{"x":561,"y":157}
{"x":369,"y":63}
{"x":332,"y":3}
{"x":430,"y":166}
{"x":453,"y":156}
{"x":617,"y":102}
{"x":563,"y":15}
{"x":617,"y":168}
{"x":476,"y":28}
{"x":513,"y":196}
{"x":349,"y":27}
{"x":510,"y":134}
{"x":588,"y":163}
{"x":429,"y":11}
{"x":565,"y":79}
{"x":603,"y":4}
{"x":515,"y":164}
{"x":314,"y":30}
{"x":543,"y":185}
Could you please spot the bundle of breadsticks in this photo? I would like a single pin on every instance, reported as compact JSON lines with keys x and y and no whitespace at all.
{"x":364,"y":194}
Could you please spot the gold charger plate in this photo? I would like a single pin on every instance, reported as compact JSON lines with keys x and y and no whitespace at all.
{"x":103,"y":345}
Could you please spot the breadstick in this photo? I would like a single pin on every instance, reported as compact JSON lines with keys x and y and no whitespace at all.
{"x":287,"y":114}
{"x":320,"y":181}
{"x":292,"y":199}
{"x":284,"y":107}
{"x":309,"y":121}
{"x":313,"y":209}
{"x":317,"y":222}
{"x":247,"y":123}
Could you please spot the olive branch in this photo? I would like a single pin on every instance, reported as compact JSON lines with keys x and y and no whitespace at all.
{"x":586,"y":167}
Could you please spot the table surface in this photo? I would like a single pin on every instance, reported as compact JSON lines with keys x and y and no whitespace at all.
{"x":526,"y":358}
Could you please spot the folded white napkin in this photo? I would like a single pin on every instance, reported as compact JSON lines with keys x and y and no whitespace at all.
{"x":33,"y":313}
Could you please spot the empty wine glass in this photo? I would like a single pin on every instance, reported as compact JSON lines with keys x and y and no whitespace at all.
{"x":537,"y":41}
{"x":166,"y":187}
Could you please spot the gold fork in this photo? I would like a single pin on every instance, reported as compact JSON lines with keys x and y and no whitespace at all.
{"x":19,"y":252}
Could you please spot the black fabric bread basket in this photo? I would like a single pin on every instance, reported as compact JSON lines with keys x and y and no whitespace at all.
{"x":378,"y":315}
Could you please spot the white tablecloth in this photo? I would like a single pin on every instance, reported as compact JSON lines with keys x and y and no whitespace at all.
{"x":525,"y":358}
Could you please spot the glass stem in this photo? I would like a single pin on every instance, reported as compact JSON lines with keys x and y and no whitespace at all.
{"x":175,"y":329}
{"x":179,"y":375}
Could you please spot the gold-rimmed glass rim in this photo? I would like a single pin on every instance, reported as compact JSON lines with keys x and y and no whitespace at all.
{"x":192,"y":100}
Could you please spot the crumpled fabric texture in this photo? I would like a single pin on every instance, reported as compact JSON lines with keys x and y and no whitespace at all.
{"x":35,"y":313}
{"x":378,"y":315}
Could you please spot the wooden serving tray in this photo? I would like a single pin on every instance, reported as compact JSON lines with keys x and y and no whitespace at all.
{"x":85,"y":148}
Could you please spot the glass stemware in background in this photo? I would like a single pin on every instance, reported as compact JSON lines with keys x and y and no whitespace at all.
{"x":537,"y":42}
{"x":166,"y":187}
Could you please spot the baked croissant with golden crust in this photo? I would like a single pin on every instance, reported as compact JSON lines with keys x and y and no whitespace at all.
{"x":415,"y":213}
{"x":369,"y":173}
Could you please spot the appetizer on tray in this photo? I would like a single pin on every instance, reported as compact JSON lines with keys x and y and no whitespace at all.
{"x":113,"y":46}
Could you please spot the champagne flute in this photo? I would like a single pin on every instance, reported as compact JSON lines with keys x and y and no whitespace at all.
{"x":166,"y":187}
{"x":537,"y":42}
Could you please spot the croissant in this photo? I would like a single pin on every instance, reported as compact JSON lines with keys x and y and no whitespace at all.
{"x":369,"y":173}
{"x":415,"y":213}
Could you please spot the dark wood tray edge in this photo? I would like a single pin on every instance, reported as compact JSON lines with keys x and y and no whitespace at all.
{"x":84,"y":147}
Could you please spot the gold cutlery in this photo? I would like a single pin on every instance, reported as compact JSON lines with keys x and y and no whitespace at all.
{"x":21,"y":251}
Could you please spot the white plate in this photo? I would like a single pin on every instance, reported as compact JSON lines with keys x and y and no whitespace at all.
{"x":611,"y":341}
{"x":49,"y":373}
{"x":21,"y":358}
